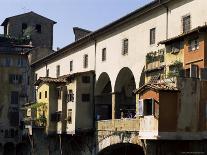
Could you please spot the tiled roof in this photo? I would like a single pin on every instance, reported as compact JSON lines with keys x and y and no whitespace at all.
{"x":61,"y":79}
{"x":157,"y":87}
{"x":181,"y":36}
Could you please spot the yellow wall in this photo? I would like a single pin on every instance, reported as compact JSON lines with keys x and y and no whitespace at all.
{"x":42,"y":88}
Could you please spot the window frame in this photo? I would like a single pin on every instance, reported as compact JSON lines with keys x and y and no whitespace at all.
{"x":152,"y":36}
{"x":103,"y":54}
{"x":125,"y":46}
{"x":184,"y":29}
{"x":71,"y":65}
{"x":85,"y":61}
{"x":40,"y":95}
{"x":57,"y":70}
{"x":38,"y":28}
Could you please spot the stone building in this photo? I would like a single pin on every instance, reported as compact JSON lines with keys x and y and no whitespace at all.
{"x":17,"y":51}
{"x":116,"y":53}
{"x":14,"y":90}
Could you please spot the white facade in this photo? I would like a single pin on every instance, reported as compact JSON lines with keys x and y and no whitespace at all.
{"x":137,"y":31}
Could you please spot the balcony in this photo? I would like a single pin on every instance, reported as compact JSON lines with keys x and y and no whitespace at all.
{"x":118,"y":125}
{"x":154,"y":65}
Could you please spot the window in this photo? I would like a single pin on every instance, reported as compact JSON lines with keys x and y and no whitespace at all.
{"x":59,"y":93}
{"x":146,"y":107}
{"x":14,"y":97}
{"x":85,"y":79}
{"x":8,"y":62}
{"x":36,"y":76}
{"x":186,"y":22}
{"x":104,"y":54}
{"x":47,"y":73}
{"x":24,"y":27}
{"x":152,"y":36}
{"x":58,"y":70}
{"x":20,"y":62}
{"x":45,"y":94}
{"x":70,"y":96}
{"x":85,"y":61}
{"x":69,"y":118}
{"x":85,"y":97}
{"x":15,"y":79}
{"x":71,"y":66}
{"x":193,"y":44}
{"x":125,"y":45}
{"x":38,"y":28}
{"x":40,"y":95}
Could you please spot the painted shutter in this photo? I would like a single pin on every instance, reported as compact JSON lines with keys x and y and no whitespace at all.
{"x":141,"y":108}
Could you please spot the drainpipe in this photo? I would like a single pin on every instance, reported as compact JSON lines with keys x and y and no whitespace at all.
{"x":167,"y":20}
{"x":94,"y":82}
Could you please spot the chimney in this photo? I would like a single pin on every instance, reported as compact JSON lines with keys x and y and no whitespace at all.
{"x":80,"y":33}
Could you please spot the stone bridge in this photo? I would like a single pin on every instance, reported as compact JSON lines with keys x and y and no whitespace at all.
{"x":119,"y":136}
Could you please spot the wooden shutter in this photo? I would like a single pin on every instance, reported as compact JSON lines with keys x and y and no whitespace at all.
{"x":141,"y":107}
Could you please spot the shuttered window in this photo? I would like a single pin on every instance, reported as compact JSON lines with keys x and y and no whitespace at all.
{"x":85,"y":61}
{"x":125,"y":46}
{"x":152,"y":36}
{"x":186,"y":22}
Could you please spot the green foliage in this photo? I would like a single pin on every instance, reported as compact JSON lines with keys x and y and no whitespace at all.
{"x":155,"y":56}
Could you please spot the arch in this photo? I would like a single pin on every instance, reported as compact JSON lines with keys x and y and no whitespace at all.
{"x":9,"y":148}
{"x":103,"y":97}
{"x":22,"y":148}
{"x":1,"y":148}
{"x":125,"y":99}
{"x":122,"y":149}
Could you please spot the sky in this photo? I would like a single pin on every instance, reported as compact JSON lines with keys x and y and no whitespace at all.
{"x":87,"y":14}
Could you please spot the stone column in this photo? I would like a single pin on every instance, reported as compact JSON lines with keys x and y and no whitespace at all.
{"x":113,"y":106}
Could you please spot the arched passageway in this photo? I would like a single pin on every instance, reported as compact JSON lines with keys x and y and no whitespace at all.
{"x":9,"y":149}
{"x":22,"y":149}
{"x":125,"y":99}
{"x":103,"y":98}
{"x":122,"y":149}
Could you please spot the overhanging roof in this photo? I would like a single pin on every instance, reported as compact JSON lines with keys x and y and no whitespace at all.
{"x":181,"y":36}
{"x":156,"y":87}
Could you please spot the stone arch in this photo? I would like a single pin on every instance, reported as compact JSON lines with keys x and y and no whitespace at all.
{"x":1,"y":148}
{"x":103,"y":97}
{"x":125,"y":99}
{"x":9,"y":149}
{"x":22,"y":148}
{"x":122,"y":149}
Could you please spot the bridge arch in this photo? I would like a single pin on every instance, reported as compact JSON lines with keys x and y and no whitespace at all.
{"x":9,"y":149}
{"x":122,"y":149}
{"x":125,"y":99}
{"x":103,"y":97}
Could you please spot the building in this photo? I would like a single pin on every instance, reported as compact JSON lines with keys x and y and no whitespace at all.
{"x":116,"y":53}
{"x":17,"y":51}
{"x":14,"y":90}
{"x":192,"y":52}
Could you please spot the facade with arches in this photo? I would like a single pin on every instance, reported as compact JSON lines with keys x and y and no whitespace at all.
{"x":116,"y":53}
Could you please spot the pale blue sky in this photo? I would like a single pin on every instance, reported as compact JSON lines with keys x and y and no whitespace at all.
{"x":88,"y":14}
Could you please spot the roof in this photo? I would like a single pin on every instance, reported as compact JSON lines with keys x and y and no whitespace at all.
{"x":60,"y":79}
{"x":181,"y":36}
{"x":129,"y":17}
{"x":50,"y":80}
{"x":28,"y":13}
{"x":156,"y":87}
